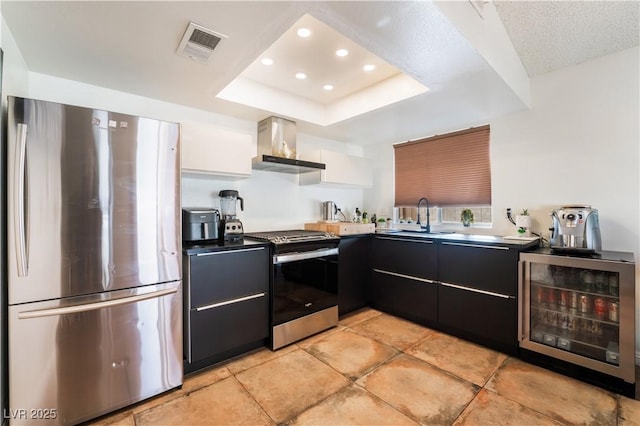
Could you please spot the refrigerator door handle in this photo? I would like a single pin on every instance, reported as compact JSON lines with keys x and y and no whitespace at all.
{"x":97,"y":305}
{"x":19,"y":228}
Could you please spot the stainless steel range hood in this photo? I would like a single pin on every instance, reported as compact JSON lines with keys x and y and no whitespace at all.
{"x":277,"y":148}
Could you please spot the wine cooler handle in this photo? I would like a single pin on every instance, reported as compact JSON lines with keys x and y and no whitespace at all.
{"x":521,"y":301}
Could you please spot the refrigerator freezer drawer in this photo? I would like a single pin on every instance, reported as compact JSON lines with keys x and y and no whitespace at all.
{"x":79,"y":361}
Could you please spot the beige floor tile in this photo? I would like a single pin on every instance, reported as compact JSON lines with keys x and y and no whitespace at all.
{"x":157,"y":400}
{"x":123,"y":418}
{"x":352,"y":406}
{"x":359,"y":316}
{"x":489,"y":408}
{"x":287,"y":385}
{"x":466,"y":360}
{"x":562,"y":398}
{"x":392,"y":331}
{"x":204,"y":378}
{"x":629,"y":412}
{"x":223,"y":403}
{"x":420,"y":390}
{"x":350,"y":353}
{"x":317,"y":337}
{"x":191,"y":383}
{"x":256,"y":358}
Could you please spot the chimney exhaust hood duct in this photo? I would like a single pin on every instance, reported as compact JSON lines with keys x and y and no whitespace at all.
{"x":277,"y":148}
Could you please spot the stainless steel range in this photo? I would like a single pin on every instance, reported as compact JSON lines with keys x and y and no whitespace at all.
{"x":304,"y":283}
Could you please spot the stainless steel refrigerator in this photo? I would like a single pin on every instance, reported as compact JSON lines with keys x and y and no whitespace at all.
{"x":93,"y":261}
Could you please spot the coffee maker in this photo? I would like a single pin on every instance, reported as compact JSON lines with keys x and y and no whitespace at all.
{"x":576,"y":229}
{"x":230,"y":226}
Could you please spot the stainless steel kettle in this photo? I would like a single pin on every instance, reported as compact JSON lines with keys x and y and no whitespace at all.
{"x":329,"y":211}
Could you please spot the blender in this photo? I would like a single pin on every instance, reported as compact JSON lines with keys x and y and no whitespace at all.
{"x":230,"y":225}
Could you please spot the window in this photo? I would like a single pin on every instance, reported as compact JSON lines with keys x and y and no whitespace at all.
{"x":452,"y":171}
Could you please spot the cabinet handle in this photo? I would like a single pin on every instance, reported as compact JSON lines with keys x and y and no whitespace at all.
{"x":215,"y":253}
{"x":475,"y":290}
{"x":476,"y":246}
{"x":405,"y":241}
{"x":409,"y":277}
{"x":230,"y":302}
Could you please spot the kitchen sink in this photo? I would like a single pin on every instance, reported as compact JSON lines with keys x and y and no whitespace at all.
{"x":412,"y":231}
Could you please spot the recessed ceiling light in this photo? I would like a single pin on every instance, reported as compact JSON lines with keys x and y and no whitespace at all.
{"x":342,"y":52}
{"x":301,"y":75}
{"x":328,"y":87}
{"x":304,"y":32}
{"x":266,"y":61}
{"x":369,"y":67}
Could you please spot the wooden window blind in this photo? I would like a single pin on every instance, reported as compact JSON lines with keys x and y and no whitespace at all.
{"x":449,"y":170}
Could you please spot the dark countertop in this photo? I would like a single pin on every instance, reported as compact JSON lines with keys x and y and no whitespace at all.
{"x":611,"y":256}
{"x":465,"y":238}
{"x":195,"y":249}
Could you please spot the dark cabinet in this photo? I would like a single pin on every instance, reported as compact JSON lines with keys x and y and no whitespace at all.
{"x":417,"y":257}
{"x":353,"y":273}
{"x":403,"y":280}
{"x":478,"y":293}
{"x":226,"y":304}
{"x":488,"y":319}
{"x":486,"y":267}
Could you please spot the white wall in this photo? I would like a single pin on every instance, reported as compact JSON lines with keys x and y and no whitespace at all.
{"x":14,"y":68}
{"x":272,"y":201}
{"x":579,"y":143}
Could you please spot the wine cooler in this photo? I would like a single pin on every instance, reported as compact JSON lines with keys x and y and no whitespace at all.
{"x":580,"y":309}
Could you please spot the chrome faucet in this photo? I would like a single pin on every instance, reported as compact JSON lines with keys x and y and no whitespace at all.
{"x":428,"y":227}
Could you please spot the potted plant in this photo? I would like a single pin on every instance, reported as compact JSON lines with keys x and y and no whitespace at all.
{"x":466,"y":216}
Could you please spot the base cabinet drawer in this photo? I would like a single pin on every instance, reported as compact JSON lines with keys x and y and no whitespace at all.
{"x":490,"y":268}
{"x":218,"y":330}
{"x":408,"y":297}
{"x":417,"y":258}
{"x":490,"y":320}
{"x":224,"y":275}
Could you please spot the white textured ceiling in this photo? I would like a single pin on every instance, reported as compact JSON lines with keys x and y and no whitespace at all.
{"x":354,"y":90}
{"x":549,"y":35}
{"x":131,"y":47}
{"x":315,"y":56}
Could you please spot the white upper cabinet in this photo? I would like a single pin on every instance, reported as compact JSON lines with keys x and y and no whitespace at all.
{"x":211,"y":150}
{"x":341,"y":170}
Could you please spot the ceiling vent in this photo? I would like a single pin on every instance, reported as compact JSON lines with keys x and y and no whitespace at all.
{"x":198,"y":42}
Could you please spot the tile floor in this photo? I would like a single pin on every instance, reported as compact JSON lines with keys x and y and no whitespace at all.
{"x":376,"y":369}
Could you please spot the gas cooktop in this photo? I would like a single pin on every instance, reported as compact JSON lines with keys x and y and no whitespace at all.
{"x":291,"y":236}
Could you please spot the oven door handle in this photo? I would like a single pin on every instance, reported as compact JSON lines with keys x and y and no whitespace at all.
{"x":293,"y":257}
